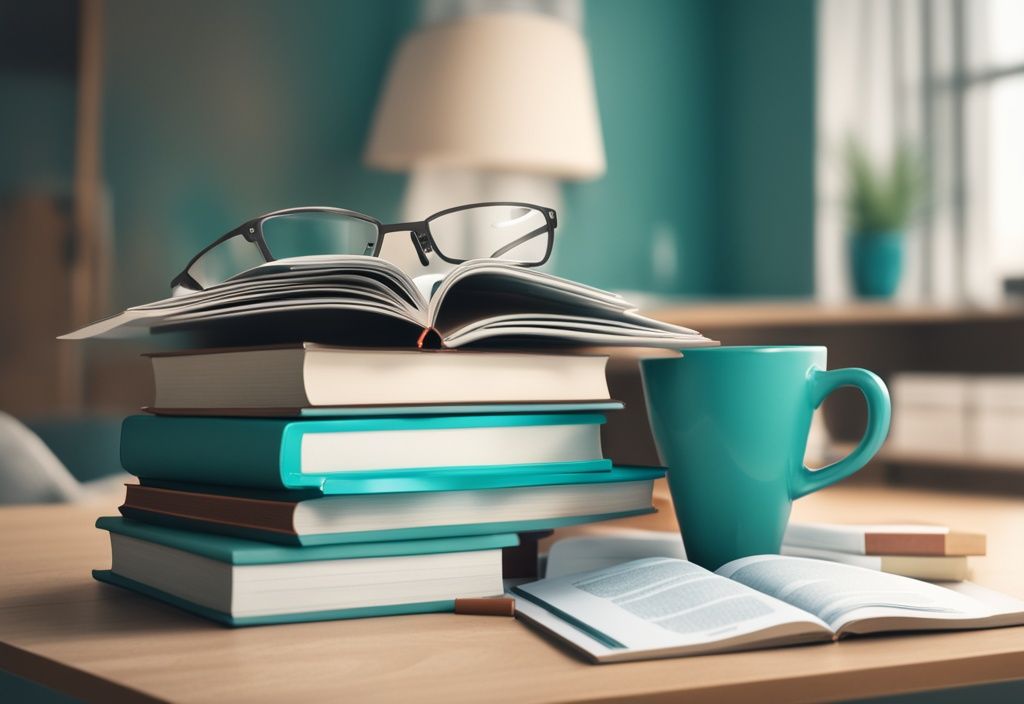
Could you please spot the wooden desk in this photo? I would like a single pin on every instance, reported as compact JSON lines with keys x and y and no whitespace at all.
{"x":59,"y":627}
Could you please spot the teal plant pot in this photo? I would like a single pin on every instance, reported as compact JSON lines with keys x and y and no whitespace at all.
{"x":877,"y":263}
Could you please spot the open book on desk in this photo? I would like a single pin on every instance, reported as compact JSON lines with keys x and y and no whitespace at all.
{"x":664,"y":607}
{"x":368,"y":301}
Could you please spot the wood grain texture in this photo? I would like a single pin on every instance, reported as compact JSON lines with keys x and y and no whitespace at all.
{"x":59,"y":627}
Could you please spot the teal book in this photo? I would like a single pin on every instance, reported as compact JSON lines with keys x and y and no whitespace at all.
{"x":244,"y":583}
{"x":301,"y":518}
{"x":279,"y":453}
{"x":461,"y":479}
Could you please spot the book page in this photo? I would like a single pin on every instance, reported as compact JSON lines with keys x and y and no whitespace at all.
{"x":482,"y":300}
{"x":337,"y":291}
{"x":351,"y":299}
{"x":843,"y":595}
{"x":659,"y":603}
{"x":585,"y":553}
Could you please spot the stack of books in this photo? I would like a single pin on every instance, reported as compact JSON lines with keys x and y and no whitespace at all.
{"x":929,"y":552}
{"x":331,"y":480}
{"x":308,"y":482}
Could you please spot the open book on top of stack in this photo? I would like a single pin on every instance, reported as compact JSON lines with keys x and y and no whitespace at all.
{"x":367,"y":301}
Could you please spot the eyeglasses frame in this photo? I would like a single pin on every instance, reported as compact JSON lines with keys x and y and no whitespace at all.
{"x":419,"y":232}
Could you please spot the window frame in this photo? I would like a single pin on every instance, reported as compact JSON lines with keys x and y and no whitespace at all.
{"x":970,"y":133}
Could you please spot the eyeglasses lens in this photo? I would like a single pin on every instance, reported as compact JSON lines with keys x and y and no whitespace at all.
{"x":230,"y":257}
{"x":311,"y":233}
{"x":508,"y":232}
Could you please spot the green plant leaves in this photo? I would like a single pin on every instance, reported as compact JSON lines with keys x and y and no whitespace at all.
{"x":881,"y":199}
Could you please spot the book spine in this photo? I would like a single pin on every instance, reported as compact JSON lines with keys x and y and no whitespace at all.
{"x":226,"y":451}
{"x":430,"y":339}
{"x":253,"y":513}
{"x":168,"y":520}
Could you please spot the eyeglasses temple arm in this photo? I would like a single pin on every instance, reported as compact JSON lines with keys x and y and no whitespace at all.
{"x":419,"y":249}
{"x":515,"y":243}
{"x":183,"y":282}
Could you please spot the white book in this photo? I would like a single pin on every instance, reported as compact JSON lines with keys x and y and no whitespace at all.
{"x":301,"y":587}
{"x":369,"y":301}
{"x":884,"y":539}
{"x":665,"y":607}
{"x":297,"y":378}
{"x":244,"y":582}
{"x":934,"y":568}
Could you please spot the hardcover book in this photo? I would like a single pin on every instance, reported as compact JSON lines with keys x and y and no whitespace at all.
{"x":294,"y":379}
{"x":241,"y":582}
{"x":286,"y":519}
{"x":283,"y":453}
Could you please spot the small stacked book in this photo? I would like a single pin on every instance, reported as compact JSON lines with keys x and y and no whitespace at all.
{"x":934,"y":553}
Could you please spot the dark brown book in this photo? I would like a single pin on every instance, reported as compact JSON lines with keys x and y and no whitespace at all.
{"x":237,"y":511}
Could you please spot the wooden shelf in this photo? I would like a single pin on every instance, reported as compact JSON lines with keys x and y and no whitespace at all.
{"x":804,"y":313}
{"x":931,"y":459}
{"x":951,"y":461}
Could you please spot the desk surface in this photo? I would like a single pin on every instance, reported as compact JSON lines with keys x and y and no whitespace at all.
{"x":59,"y":627}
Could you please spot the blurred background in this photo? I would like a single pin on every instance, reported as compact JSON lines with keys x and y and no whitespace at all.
{"x":842,"y":172}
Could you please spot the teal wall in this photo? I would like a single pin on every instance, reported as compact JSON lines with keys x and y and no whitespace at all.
{"x":765,"y":144}
{"x":37,"y":124}
{"x":218,"y":111}
{"x":215,"y":112}
{"x":655,"y":78}
{"x":38,"y":46}
{"x":708,"y":116}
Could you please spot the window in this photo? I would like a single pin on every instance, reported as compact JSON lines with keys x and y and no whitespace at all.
{"x":947,"y":77}
{"x":993,"y":93}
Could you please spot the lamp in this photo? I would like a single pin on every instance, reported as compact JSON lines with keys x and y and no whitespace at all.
{"x":509,"y":92}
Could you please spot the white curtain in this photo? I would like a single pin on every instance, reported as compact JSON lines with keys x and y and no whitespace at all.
{"x":888,"y":72}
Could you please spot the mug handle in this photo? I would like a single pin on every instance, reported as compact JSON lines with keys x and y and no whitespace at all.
{"x":823,"y":383}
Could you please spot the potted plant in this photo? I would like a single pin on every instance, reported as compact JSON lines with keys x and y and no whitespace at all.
{"x":880,"y":202}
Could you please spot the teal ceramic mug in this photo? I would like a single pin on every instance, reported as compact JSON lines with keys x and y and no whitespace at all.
{"x":731,"y":424}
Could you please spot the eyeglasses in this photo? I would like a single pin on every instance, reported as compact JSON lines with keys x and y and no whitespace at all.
{"x":519,"y":233}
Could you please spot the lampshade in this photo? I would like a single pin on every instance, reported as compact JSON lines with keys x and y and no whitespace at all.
{"x":509,"y":91}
